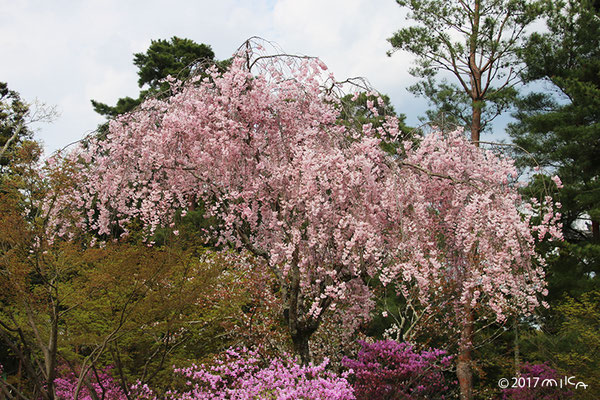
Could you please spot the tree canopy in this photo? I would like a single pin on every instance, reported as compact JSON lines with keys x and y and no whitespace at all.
{"x":475,"y":43}
{"x":320,"y":201}
{"x":13,"y":122}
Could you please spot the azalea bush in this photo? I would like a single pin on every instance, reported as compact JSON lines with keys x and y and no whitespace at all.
{"x":537,"y":382}
{"x":390,"y":370}
{"x":244,"y":374}
{"x":102,"y":383}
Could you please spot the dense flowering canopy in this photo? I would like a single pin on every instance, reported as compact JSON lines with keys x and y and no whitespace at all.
{"x":323,"y":204}
{"x":463,"y":232}
{"x":267,"y":157}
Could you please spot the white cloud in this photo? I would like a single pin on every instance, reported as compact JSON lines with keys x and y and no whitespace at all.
{"x":68,"y":52}
{"x":110,"y":84}
{"x":351,"y":37}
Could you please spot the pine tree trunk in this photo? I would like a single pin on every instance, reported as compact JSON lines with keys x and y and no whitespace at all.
{"x":476,"y":125}
{"x":464,"y":372}
{"x":475,"y":72}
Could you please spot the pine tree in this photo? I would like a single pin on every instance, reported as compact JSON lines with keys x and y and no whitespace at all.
{"x":473,"y":41}
{"x":561,"y":130}
{"x":175,"y":57}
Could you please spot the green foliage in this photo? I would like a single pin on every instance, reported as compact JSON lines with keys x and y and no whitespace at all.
{"x":32,"y":278}
{"x":158,"y":306}
{"x":581,"y":330}
{"x":175,"y":57}
{"x":574,"y":347}
{"x":453,"y":107}
{"x":13,"y":123}
{"x":562,"y":133}
{"x":124,"y":104}
{"x":356,"y":111}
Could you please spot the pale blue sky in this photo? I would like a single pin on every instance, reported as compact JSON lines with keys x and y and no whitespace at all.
{"x":67,"y":52}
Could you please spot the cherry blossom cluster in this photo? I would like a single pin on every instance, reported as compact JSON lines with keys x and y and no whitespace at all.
{"x":322,"y":203}
{"x":266,"y":155}
{"x":463,"y":233}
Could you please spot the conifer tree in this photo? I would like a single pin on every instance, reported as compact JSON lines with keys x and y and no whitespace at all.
{"x":561,"y":130}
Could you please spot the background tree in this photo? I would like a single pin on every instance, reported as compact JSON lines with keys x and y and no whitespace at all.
{"x":176,"y":57}
{"x":573,"y":347}
{"x":31,"y":274}
{"x":13,"y":127}
{"x":561,"y":130}
{"x":16,"y":117}
{"x":473,"y":41}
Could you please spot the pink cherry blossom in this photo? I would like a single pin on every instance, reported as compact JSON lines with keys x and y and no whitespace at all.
{"x":321,"y":203}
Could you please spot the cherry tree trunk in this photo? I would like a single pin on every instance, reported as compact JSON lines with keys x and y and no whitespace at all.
{"x":301,"y":327}
{"x":464,"y":372}
{"x":517,"y":348}
{"x":301,"y":348}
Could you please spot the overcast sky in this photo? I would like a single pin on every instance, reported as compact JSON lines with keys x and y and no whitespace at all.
{"x":67,"y":52}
